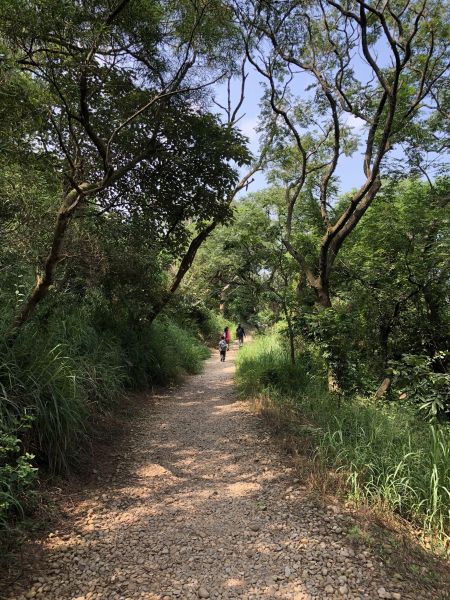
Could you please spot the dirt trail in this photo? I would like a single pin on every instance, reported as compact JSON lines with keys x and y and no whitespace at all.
{"x":203,"y":504}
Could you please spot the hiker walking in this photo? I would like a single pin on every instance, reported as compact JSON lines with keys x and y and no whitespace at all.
{"x":222,"y":348}
{"x":240,"y":334}
{"x":227,"y":336}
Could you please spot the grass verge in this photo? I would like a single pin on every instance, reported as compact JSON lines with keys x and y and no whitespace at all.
{"x":382,"y":452}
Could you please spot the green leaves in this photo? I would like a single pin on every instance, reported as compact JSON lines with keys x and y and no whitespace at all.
{"x":422,"y":381}
{"x":17,"y":475}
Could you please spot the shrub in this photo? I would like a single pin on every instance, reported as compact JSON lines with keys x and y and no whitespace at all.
{"x":422,"y":381}
{"x":265,"y":363}
{"x":64,"y":384}
{"x":17,"y":477}
{"x":162,"y":353}
{"x":206,"y":322}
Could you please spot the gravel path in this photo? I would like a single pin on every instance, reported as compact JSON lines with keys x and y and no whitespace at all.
{"x":204,"y":505}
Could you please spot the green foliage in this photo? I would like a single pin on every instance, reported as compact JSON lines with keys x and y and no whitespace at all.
{"x":390,"y":289}
{"x":231,"y":264}
{"x":17,"y":475}
{"x":115,"y":103}
{"x":65,"y":385}
{"x":389,"y":285}
{"x":336,"y":332}
{"x":174,"y":165}
{"x":209,"y":324}
{"x":162,"y":353}
{"x":419,"y":383}
{"x":262,"y":364}
{"x":62,"y":378}
{"x":111,"y":98}
{"x":395,"y":279}
{"x":387,"y":455}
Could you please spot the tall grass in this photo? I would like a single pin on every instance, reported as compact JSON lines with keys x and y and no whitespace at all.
{"x":61,"y":379}
{"x":162,"y":353}
{"x":386,"y":453}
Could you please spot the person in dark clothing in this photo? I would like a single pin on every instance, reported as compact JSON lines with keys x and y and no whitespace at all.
{"x":240,"y":334}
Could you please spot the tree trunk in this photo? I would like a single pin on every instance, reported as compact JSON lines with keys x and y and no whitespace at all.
{"x":184,"y":267}
{"x":323,"y":296}
{"x":439,"y":335}
{"x":222,"y":299}
{"x":384,"y":386}
{"x":333,"y":384}
{"x":45,"y":279}
{"x":385,"y":330}
{"x":291,"y":335}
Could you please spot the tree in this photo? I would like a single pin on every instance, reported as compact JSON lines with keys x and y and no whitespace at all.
{"x":121,"y":84}
{"x":245,"y":269}
{"x":233,"y":263}
{"x":383,"y":66}
{"x":397,"y":278}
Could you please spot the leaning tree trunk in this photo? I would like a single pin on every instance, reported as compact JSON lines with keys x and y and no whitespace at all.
{"x":385,"y":385}
{"x":45,"y":279}
{"x":184,"y":267}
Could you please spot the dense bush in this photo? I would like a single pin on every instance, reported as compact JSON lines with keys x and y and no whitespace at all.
{"x":211,"y":325}
{"x":389,"y":286}
{"x":75,"y":371}
{"x":199,"y":318}
{"x":387,"y":454}
{"x":423,"y":382}
{"x":17,"y":476}
{"x":162,"y":353}
{"x":263,"y":365}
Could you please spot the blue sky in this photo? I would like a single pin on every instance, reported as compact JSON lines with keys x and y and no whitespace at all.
{"x":350,"y":169}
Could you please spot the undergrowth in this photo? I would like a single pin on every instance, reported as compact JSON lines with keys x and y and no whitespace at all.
{"x":208,"y":323}
{"x":387,"y":455}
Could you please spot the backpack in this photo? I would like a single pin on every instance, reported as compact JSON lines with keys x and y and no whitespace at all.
{"x":222,"y":345}
{"x":239,"y":332}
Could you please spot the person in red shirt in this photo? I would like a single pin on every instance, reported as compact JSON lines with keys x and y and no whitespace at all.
{"x":227,"y":336}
